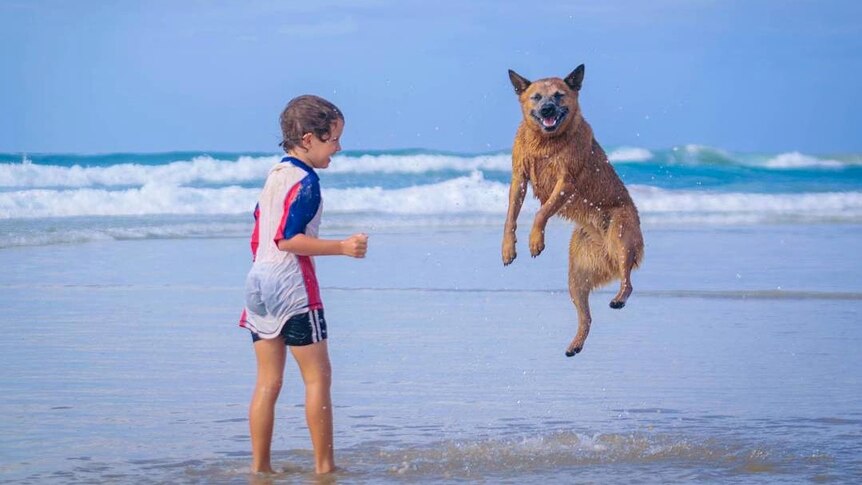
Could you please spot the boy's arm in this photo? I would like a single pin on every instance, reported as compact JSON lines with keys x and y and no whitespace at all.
{"x":354,"y":246}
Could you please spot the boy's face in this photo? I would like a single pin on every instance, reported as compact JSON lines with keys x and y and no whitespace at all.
{"x":319,"y":152}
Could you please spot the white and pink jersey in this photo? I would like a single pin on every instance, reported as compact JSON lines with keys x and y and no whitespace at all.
{"x":282,"y":284}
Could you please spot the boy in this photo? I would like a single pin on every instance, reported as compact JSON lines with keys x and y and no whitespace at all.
{"x":283,"y":305}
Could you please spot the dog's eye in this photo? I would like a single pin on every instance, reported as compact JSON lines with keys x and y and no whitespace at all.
{"x":536,"y":97}
{"x":558,"y":96}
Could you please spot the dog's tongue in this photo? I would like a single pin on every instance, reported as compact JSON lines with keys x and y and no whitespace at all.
{"x":549,"y":121}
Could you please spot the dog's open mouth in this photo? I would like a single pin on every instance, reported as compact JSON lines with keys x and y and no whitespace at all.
{"x":550,"y":123}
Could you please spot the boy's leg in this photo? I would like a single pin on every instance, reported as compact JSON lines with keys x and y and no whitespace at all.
{"x":316,"y":372}
{"x":261,"y":414}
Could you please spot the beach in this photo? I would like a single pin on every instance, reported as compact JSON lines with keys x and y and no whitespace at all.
{"x":136,"y":140}
{"x":735,"y":361}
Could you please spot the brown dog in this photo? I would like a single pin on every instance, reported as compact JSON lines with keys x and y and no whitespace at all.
{"x":570,"y":174}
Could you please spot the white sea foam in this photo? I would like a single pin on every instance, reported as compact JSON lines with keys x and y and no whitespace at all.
{"x":470,"y":194}
{"x":799,"y":160}
{"x":655,"y":200}
{"x":150,"y":199}
{"x":630,"y":154}
{"x":36,"y":217}
{"x":419,"y":163}
{"x":207,"y":170}
{"x":697,"y":154}
{"x":199,"y":169}
{"x":463,"y":195}
{"x":460,"y":195}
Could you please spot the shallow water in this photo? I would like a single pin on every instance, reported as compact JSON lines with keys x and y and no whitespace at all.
{"x":122,"y":363}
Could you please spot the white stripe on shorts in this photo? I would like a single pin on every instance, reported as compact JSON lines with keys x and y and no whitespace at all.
{"x":315,"y":326}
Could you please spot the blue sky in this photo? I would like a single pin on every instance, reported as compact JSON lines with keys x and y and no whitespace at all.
{"x":145,"y":76}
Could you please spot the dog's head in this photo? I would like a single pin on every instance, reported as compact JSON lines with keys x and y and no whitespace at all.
{"x":549,"y":105}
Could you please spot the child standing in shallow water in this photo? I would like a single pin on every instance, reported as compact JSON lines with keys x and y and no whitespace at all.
{"x":283,"y":307}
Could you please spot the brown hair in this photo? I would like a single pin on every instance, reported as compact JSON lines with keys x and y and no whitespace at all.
{"x":307,"y":114}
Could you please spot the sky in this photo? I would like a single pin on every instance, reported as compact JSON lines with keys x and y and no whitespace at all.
{"x":759,"y":76}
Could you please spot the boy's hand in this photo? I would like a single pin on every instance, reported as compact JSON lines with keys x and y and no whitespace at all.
{"x":355,"y":246}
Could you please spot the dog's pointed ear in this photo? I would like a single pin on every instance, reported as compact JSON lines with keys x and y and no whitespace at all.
{"x":519,"y":82}
{"x":576,"y":78}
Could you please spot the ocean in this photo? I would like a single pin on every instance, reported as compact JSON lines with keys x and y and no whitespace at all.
{"x":734,"y":361}
{"x":48,"y":199}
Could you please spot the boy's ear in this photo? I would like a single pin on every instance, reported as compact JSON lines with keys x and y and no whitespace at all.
{"x":519,"y":82}
{"x":575,"y":78}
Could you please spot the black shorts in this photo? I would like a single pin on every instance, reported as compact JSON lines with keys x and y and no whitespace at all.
{"x":303,"y":329}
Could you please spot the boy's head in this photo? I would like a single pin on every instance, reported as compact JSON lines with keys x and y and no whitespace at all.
{"x":307,"y":114}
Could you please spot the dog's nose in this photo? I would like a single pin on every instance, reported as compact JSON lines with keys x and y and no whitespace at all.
{"x":548,"y":110}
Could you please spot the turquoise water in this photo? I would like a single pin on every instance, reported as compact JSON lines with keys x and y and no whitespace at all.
{"x":51,"y":198}
{"x":687,"y":167}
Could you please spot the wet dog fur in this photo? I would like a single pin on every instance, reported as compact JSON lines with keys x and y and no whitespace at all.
{"x":556,"y":153}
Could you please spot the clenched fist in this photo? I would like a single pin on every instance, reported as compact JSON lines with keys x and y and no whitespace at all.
{"x":355,"y":246}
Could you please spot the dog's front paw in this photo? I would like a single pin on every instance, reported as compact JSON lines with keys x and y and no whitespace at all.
{"x":537,"y":242}
{"x":509,"y":253}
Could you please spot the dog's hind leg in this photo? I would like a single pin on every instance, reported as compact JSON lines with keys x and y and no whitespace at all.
{"x":625,"y":246}
{"x":580,"y":294}
{"x":587,"y":270}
